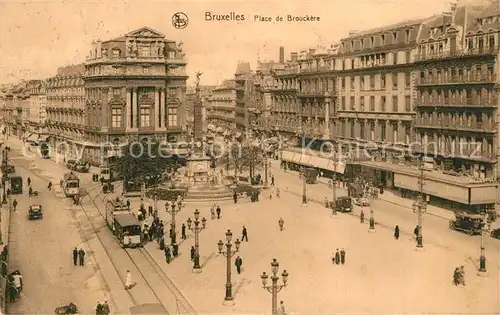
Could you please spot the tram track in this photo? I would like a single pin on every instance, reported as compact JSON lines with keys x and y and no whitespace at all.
{"x":152,"y":274}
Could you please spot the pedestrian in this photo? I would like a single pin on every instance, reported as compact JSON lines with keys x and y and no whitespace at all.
{"x":150,"y":210}
{"x":12,"y":292}
{"x":238,"y":263}
{"x":128,"y":203}
{"x":98,"y":308}
{"x":212,"y":212}
{"x":362,"y":216}
{"x":337,"y":257}
{"x":218,"y":211}
{"x":281,"y":223}
{"x":277,"y":192}
{"x":168,"y":255}
{"x":146,"y":233}
{"x":342,"y":256}
{"x":281,"y":310}
{"x":396,"y":232}
{"x":272,"y":180}
{"x":175,"y":249}
{"x":29,"y":181}
{"x":161,"y":243}
{"x":193,"y":252}
{"x":18,"y":282}
{"x":75,"y":256}
{"x":105,"y":308}
{"x":244,"y":234}
{"x":49,"y":186}
{"x":461,"y":272}
{"x":81,"y":256}
{"x":183,"y":231}
{"x":235,"y":197}
{"x":128,"y":281}
{"x":14,"y":204}
{"x":415,"y":231}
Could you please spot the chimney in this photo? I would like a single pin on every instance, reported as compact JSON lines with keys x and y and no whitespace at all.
{"x":353,"y":32}
{"x":294,"y":56}
{"x":282,"y":54}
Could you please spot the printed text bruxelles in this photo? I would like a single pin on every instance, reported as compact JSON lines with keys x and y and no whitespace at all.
{"x":232,"y":16}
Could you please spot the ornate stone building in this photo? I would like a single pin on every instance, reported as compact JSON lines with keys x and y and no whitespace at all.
{"x":457,"y":99}
{"x":37,"y":109}
{"x":135,"y":89}
{"x":221,"y":108}
{"x":66,"y":108}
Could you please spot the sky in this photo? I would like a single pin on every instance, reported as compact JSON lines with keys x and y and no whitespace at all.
{"x":36,"y":37}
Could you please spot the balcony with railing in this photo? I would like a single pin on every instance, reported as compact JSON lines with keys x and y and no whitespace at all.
{"x":478,"y":51}
{"x":173,"y":59}
{"x":476,"y":102}
{"x":473,"y":126}
{"x":311,"y":93}
{"x":473,"y":78}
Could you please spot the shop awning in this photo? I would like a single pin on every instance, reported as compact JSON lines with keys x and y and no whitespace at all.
{"x":339,"y":168}
{"x":297,"y":157}
{"x":287,"y":156}
{"x":304,"y":160}
{"x":318,"y":162}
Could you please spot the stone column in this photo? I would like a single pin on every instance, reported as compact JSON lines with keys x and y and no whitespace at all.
{"x":156,"y":116}
{"x":388,"y":131}
{"x":128,"y":109}
{"x":357,"y":128}
{"x":377,"y":130}
{"x":134,"y":109}
{"x":327,"y":115}
{"x":401,"y":132}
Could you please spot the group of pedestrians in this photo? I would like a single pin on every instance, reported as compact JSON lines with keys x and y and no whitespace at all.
{"x":78,"y":257}
{"x":102,"y":308}
{"x":339,"y":257}
{"x":215,"y":211}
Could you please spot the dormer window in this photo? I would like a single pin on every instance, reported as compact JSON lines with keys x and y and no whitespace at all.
{"x":382,"y":37}
{"x":407,"y":36}
{"x":116,"y":52}
{"x":394,"y":37}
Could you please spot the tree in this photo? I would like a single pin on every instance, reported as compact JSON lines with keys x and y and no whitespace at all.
{"x":141,"y":160}
{"x":242,"y":158}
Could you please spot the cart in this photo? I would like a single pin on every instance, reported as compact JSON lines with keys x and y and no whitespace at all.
{"x":66,"y":309}
{"x":342,"y":204}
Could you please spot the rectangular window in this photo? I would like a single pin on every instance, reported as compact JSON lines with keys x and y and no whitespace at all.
{"x":172,"y":117}
{"x":407,"y":79}
{"x":342,"y":82}
{"x":372,"y":82}
{"x":353,"y":107}
{"x":145,"y":119}
{"x":116,"y":91}
{"x":395,"y":56}
{"x":116,"y":117}
{"x":343,"y":102}
{"x":382,"y":104}
{"x":362,"y":103}
{"x":372,"y":103}
{"x":145,"y":51}
{"x":362,"y":83}
{"x":407,"y":103}
{"x":395,"y":104}
{"x":382,"y":81}
{"x":394,"y":80}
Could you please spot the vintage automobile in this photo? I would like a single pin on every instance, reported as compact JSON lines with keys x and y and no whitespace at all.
{"x":66,"y":309}
{"x":495,"y":233}
{"x":81,"y":167}
{"x":70,"y":164}
{"x":35,"y":212}
{"x":469,"y":223}
{"x":342,"y":204}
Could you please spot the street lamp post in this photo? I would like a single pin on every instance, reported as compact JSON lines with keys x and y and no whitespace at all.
{"x":274,"y":287}
{"x":334,"y":185}
{"x":173,"y":210}
{"x":304,"y":188}
{"x":228,"y":300}
{"x":197,"y":229}
{"x":482,"y":257}
{"x":4,"y":175}
{"x":420,"y":206}
{"x":372,"y":218}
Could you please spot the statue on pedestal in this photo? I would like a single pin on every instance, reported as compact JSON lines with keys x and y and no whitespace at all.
{"x":198,"y":75}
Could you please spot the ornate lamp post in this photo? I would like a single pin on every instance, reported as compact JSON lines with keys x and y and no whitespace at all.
{"x":274,"y":287}
{"x":420,"y":206}
{"x":304,"y":186}
{"x":173,"y":210}
{"x":197,"y":229}
{"x":228,"y":300}
{"x":372,"y":219}
{"x":482,"y":258}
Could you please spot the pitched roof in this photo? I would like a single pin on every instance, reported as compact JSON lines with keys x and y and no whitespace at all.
{"x":402,"y":24}
{"x":492,"y":10}
{"x":141,"y":32}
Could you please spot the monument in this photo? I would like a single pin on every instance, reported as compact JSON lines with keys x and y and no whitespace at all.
{"x":198,"y":164}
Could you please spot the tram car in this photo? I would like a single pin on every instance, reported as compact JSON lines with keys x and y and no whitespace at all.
{"x":123,"y":223}
{"x":71,"y":185}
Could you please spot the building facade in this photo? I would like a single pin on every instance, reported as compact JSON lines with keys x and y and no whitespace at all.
{"x":457,"y":99}
{"x":66,"y":108}
{"x":221,"y":108}
{"x":135,"y":88}
{"x":260,"y":114}
{"x":37,"y":109}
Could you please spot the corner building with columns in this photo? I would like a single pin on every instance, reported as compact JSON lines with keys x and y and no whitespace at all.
{"x":135,"y":89}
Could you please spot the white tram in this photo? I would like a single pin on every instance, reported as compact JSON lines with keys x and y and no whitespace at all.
{"x":123,"y":223}
{"x":71,"y":184}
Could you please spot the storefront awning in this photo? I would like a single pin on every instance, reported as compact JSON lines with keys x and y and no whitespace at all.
{"x":296,"y":158}
{"x":304,"y":160}
{"x":287,"y":156}
{"x":339,"y":168}
{"x":318,"y":162}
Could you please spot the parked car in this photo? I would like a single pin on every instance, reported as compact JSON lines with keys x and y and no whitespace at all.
{"x":495,"y":233}
{"x":362,"y":202}
{"x":35,"y":212}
